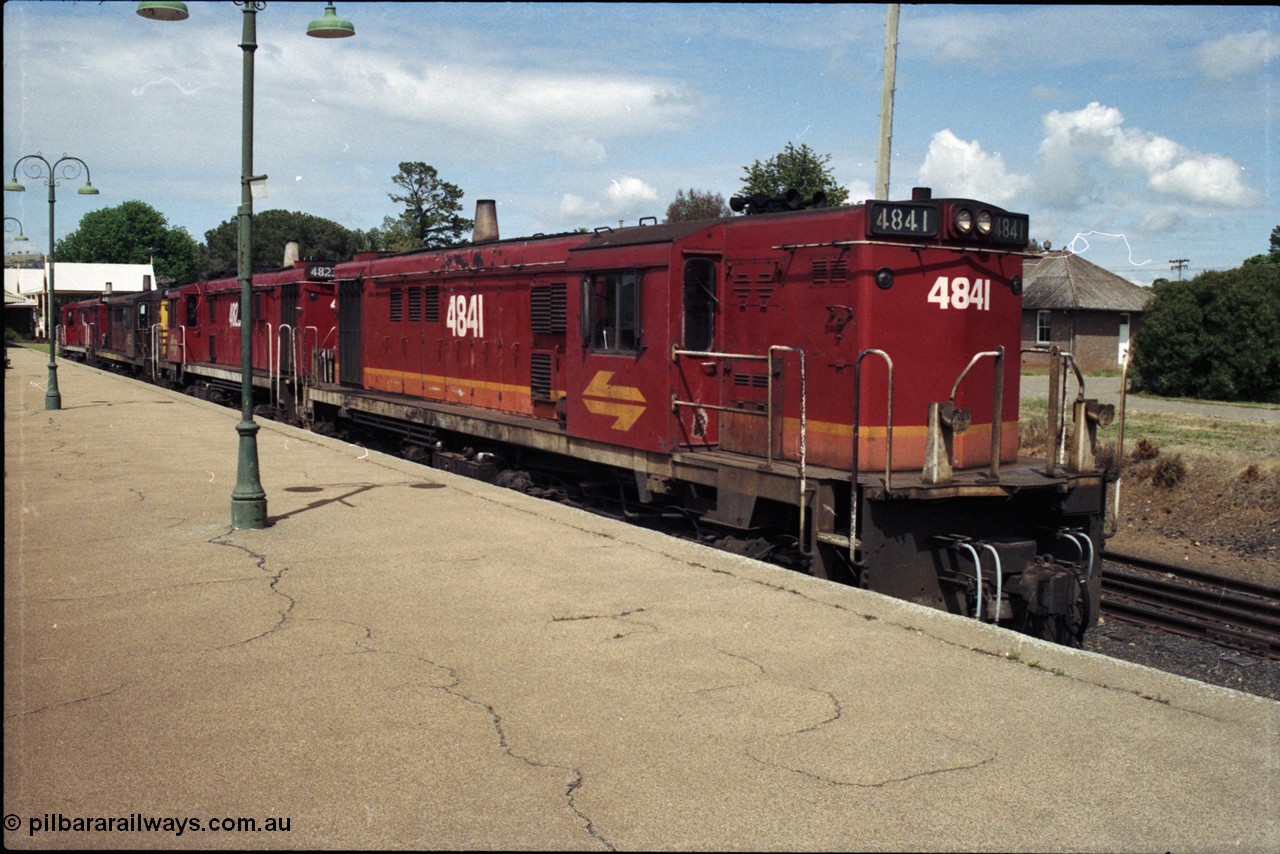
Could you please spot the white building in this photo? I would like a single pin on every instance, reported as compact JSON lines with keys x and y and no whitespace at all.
{"x":69,"y":280}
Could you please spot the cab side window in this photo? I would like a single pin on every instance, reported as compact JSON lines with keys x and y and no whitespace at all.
{"x":700,"y":304}
{"x":611,"y":312}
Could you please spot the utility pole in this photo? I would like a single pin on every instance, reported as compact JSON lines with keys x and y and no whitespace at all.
{"x":886,"y":101}
{"x":1178,"y":264}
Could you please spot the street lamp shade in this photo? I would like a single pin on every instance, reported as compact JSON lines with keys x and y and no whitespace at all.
{"x":330,"y":26}
{"x":88,"y":190}
{"x":159,"y":10}
{"x":14,"y":187}
{"x":13,"y":219}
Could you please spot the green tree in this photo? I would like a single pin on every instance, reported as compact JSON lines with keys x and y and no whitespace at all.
{"x":697,"y":205}
{"x":1213,"y":337}
{"x":317,"y":238}
{"x":431,"y":206}
{"x":394,"y":235}
{"x":799,"y":169}
{"x":1272,"y":257}
{"x":133,"y":232}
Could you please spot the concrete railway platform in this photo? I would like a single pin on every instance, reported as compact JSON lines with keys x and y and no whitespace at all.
{"x":408,"y":659}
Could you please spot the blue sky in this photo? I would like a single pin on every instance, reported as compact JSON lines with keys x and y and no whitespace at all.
{"x":1133,"y":135}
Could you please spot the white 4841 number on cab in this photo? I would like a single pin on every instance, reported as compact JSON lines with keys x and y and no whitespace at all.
{"x":960,"y":293}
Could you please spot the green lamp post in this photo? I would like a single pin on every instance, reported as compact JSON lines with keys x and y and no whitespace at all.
{"x":13,"y":219}
{"x":248,"y":498}
{"x":70,"y":167}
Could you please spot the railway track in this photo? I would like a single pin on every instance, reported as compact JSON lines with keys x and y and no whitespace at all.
{"x":1238,"y":614}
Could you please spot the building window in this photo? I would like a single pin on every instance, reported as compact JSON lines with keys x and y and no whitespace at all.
{"x":1043,"y":328}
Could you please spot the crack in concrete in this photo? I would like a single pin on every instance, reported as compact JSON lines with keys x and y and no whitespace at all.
{"x":914,"y":628}
{"x":879,"y":784}
{"x":66,"y":703}
{"x":619,"y":615}
{"x":452,"y":688}
{"x":274,"y":585}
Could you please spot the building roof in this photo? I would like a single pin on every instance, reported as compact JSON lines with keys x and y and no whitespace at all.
{"x":73,"y":278}
{"x":1063,"y":280}
{"x":12,"y":300}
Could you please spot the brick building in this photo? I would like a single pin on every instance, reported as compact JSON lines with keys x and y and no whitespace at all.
{"x":1081,"y":308}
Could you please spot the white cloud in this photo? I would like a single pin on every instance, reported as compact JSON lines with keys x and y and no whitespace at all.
{"x":555,"y":110}
{"x":1237,"y":55}
{"x":860,"y":190}
{"x":1161,"y":221}
{"x":1077,"y":142}
{"x":953,"y":167}
{"x":625,"y":199}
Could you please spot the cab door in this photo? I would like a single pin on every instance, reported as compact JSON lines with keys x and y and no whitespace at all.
{"x":350,"y":364}
{"x":698,"y":378}
{"x":618,"y":387}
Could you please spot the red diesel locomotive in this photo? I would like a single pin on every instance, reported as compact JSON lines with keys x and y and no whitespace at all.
{"x":189,"y":336}
{"x":721,"y":370}
{"x":833,"y":388}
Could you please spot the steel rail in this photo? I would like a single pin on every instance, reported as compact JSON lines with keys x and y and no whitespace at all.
{"x":1195,"y":603}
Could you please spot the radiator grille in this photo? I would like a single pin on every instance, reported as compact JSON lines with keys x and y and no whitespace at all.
{"x":540,"y":375}
{"x":547,"y":309}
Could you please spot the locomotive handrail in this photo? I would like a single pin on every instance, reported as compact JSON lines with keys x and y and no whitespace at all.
{"x":888,"y":451}
{"x":1057,"y":414}
{"x":293,"y":342}
{"x":676,"y":353}
{"x":997,"y":402}
{"x":708,"y":354}
{"x":271,"y":392}
{"x":791,"y":247}
{"x":155,"y":350}
{"x":312,"y":378}
{"x":1124,"y":393}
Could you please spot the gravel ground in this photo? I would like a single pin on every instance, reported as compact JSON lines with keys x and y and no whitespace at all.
{"x":1206,"y":662}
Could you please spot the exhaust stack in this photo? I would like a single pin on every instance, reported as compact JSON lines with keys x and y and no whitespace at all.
{"x":486,"y":228}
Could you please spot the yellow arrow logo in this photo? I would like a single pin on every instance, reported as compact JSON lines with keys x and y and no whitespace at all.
{"x":624,"y":403}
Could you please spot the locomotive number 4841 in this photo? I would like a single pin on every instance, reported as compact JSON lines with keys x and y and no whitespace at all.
{"x":466,"y":315}
{"x":960,"y":293}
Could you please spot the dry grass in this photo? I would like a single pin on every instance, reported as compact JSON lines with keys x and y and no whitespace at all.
{"x":1203,"y":481}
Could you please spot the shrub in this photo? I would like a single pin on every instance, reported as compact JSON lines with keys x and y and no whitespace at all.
{"x":1144,"y":451}
{"x":1168,"y":472}
{"x":1213,"y":337}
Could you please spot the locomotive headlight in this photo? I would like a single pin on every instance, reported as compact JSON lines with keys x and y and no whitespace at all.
{"x":984,"y":223}
{"x":884,"y":278}
{"x":964,"y":220}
